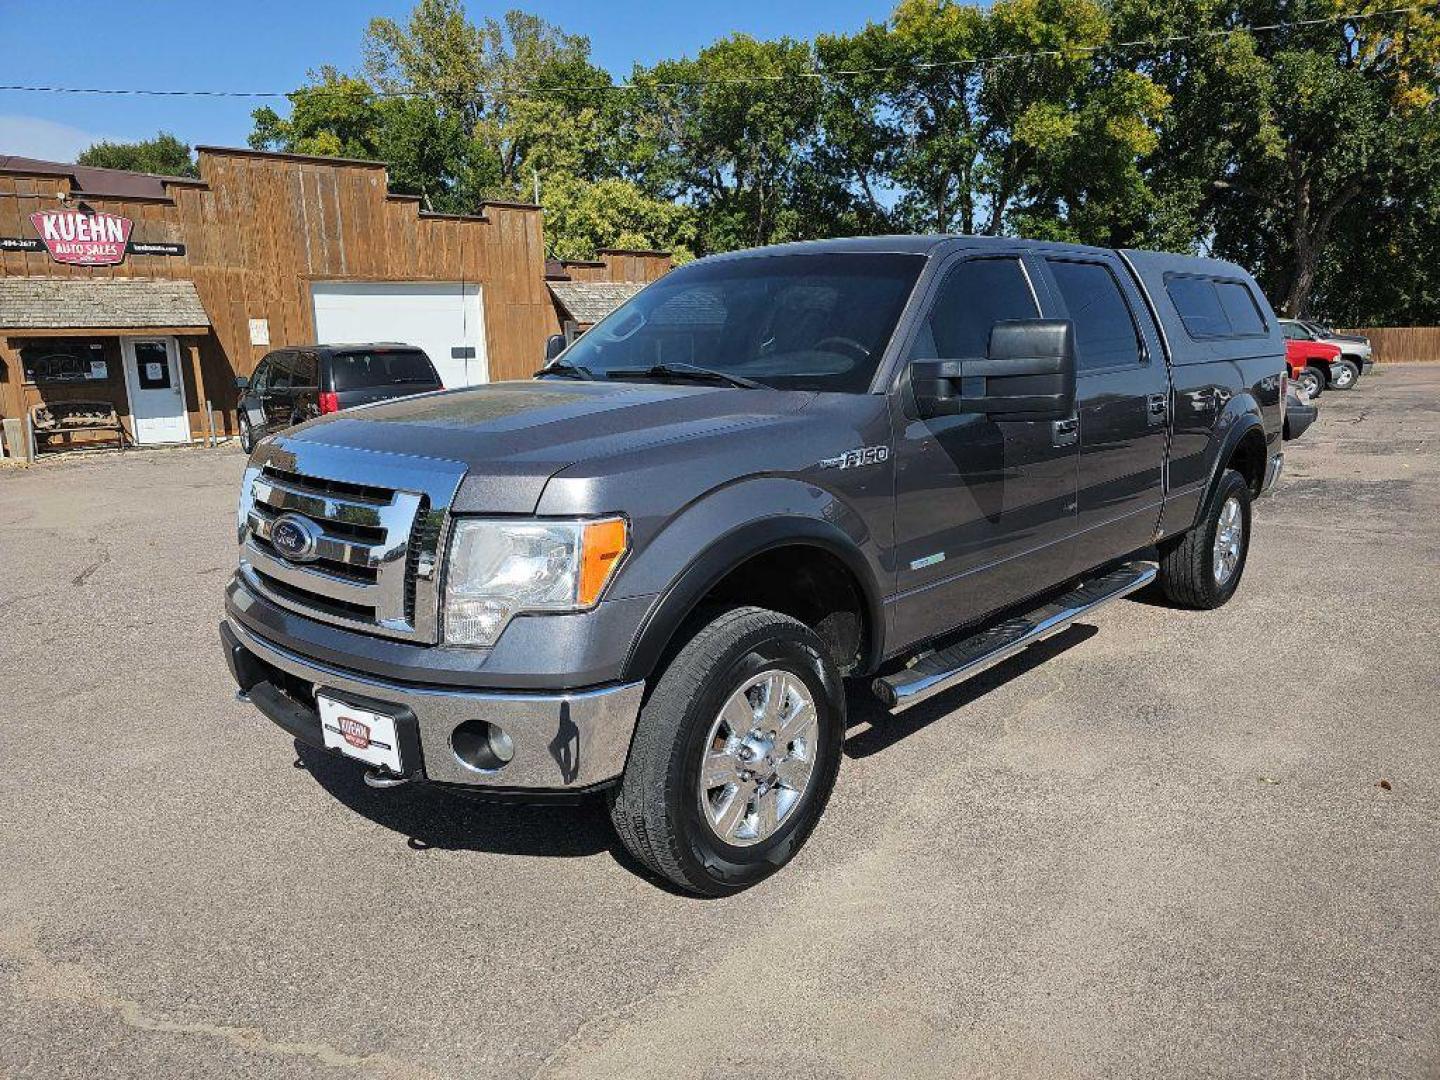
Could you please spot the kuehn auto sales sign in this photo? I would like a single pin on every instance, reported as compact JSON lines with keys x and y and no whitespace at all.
{"x":83,"y":239}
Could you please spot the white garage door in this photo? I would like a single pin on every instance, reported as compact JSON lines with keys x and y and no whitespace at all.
{"x":446,"y":319}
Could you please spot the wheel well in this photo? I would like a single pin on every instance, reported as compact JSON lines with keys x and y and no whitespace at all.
{"x":807,"y":583}
{"x":1323,"y":370}
{"x":1249,"y":459}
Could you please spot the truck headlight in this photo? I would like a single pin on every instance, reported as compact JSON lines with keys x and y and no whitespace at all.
{"x":500,"y":568}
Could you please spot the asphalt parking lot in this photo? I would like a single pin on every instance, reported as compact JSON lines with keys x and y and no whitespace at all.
{"x":1157,"y":846}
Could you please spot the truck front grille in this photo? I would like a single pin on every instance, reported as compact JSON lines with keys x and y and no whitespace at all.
{"x":372,"y":565}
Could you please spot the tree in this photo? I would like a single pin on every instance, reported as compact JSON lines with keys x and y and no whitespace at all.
{"x":737,"y":151}
{"x":428,"y":153}
{"x":1381,"y":265}
{"x":1283,"y":134}
{"x":164,"y":155}
{"x":481,"y":77}
{"x":582,"y":217}
{"x":1046,"y":145}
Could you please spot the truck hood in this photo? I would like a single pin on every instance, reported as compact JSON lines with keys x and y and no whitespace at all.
{"x":512,"y":437}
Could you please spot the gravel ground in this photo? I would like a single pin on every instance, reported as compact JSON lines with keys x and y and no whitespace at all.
{"x":1159,"y":845}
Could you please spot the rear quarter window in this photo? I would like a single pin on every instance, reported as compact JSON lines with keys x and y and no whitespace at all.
{"x":383,"y":367}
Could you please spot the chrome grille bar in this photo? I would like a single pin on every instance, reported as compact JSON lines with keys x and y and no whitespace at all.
{"x":350,"y":496}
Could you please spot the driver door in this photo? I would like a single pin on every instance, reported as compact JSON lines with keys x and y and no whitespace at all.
{"x":984,"y":507}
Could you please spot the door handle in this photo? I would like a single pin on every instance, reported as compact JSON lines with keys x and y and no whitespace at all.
{"x":1157,"y":405}
{"x":1065,"y":432}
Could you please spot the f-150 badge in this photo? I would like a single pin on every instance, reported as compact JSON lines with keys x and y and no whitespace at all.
{"x":853,"y":459}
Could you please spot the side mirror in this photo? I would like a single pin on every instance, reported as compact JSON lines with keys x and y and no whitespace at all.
{"x":242,"y":383}
{"x":554,"y":346}
{"x":1028,"y":373}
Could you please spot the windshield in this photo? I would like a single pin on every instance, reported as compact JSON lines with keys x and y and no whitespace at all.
{"x":795,"y":322}
{"x":386,"y":367}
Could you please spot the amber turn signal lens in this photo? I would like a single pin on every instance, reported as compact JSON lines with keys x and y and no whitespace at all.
{"x":605,"y":542}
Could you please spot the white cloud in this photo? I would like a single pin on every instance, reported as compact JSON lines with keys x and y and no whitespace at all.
{"x":29,"y":136}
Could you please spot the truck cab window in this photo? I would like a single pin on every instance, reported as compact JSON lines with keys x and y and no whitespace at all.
{"x":1105,"y":335}
{"x":974,"y":297}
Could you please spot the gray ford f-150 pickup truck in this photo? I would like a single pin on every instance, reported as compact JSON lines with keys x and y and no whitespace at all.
{"x":650,"y":570}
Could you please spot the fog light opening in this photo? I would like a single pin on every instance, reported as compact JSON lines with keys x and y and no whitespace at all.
{"x":482,"y":746}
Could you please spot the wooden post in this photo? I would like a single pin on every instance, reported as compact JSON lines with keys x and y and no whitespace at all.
{"x":202,"y":402}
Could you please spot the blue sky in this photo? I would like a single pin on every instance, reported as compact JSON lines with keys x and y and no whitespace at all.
{"x":269,"y":45}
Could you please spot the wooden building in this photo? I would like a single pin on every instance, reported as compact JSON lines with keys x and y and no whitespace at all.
{"x":586,"y":291}
{"x":153,"y":293}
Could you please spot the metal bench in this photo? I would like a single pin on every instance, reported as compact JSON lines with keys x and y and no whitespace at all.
{"x":64,"y":419}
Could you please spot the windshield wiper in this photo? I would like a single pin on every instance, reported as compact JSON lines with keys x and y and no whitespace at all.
{"x":683,"y":371}
{"x":564,"y":367}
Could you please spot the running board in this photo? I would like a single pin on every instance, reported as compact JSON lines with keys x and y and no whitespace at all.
{"x":941,"y":670}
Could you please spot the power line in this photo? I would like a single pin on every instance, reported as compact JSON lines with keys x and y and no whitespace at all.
{"x":1001,"y":58}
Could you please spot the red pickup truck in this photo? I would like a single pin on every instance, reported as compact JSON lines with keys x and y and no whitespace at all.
{"x":1309,"y":361}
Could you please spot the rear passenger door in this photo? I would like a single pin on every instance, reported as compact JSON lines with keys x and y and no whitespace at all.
{"x":252,"y":400}
{"x":275,"y":398}
{"x":304,"y":387}
{"x":1123,"y":405}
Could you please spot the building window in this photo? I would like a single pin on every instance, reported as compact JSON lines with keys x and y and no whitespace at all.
{"x":64,"y":360}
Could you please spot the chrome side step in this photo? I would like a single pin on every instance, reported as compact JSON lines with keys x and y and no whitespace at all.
{"x":941,"y":670}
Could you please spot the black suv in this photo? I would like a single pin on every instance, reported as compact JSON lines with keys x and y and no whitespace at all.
{"x":292,"y":385}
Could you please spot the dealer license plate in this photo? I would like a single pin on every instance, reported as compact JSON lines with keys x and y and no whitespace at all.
{"x":360,"y":733}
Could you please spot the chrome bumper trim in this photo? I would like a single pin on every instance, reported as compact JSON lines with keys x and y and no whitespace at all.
{"x":565,"y":739}
{"x":1272,"y":472}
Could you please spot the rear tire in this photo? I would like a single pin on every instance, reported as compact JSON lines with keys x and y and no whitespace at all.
{"x":1344,"y":375}
{"x":1203,"y":568}
{"x":719,"y":831}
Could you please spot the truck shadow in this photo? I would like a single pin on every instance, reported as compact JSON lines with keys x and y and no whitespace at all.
{"x":882,"y":730}
{"x":432,"y":818}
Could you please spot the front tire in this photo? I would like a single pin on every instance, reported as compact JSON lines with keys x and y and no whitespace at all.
{"x":247,"y":436}
{"x":1344,"y":375}
{"x":735,"y":753}
{"x":1312,"y":381}
{"x":1202,"y":569}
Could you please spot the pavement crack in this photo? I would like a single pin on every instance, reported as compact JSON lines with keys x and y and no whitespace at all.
{"x":76,"y":986}
{"x":89,"y":571}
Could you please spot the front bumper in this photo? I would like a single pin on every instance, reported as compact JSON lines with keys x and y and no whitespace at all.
{"x":563,"y":740}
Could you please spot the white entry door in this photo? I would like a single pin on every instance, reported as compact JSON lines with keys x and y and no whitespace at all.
{"x":444,"y":318}
{"x":157,"y":395}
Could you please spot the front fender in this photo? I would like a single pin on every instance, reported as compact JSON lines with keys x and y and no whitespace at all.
{"x":719,"y":532}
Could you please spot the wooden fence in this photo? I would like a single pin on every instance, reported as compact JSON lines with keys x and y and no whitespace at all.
{"x":1402,"y":344}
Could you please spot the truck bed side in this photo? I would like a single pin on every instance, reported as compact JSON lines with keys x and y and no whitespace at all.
{"x":1226,"y":385}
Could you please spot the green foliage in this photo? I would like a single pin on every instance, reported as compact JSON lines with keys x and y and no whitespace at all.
{"x":1308,"y":154}
{"x":736,"y":151}
{"x":164,"y":155}
{"x":582,"y":216}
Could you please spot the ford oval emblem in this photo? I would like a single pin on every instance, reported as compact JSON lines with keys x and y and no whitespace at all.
{"x":295,"y":538}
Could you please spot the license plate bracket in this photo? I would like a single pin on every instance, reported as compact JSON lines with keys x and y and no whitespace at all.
{"x":361,"y":732}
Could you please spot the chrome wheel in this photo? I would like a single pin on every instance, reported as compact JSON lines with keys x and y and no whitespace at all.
{"x":1229,"y":535}
{"x":758,"y":758}
{"x":1343,"y":377}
